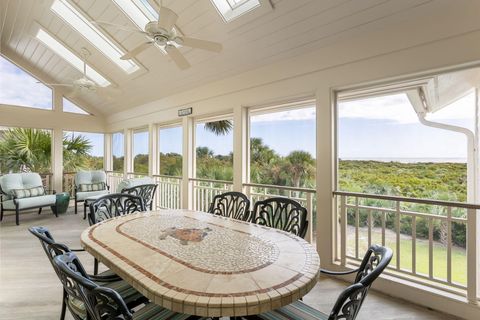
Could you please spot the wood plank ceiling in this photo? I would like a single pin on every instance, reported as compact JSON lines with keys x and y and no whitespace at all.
{"x":291,"y":28}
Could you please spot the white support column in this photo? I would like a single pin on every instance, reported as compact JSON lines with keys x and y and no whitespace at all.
{"x":57,"y":145}
{"x":240,"y":148}
{"x":57,"y":159}
{"x":128,"y":151}
{"x":188,"y":168}
{"x":107,"y":152}
{"x":325,"y":120}
{"x":153,"y":156}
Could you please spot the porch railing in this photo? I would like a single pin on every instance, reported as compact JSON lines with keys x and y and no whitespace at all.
{"x":169,"y":192}
{"x":434,"y":242}
{"x":205,"y":189}
{"x":113,"y":179}
{"x":305,"y":196}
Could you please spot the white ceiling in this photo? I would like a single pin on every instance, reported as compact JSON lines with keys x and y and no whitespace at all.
{"x":292,"y":28}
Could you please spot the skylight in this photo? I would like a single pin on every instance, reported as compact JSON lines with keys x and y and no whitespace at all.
{"x":139,"y":11}
{"x":70,"y":57}
{"x":232,"y":9}
{"x":80,"y":23}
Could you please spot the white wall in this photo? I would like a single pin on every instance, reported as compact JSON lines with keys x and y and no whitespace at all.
{"x":446,"y":39}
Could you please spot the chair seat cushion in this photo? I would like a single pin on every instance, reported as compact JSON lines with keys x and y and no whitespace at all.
{"x":154,"y":312}
{"x":294,"y":311}
{"x":83,"y":195}
{"x":77,"y":306}
{"x":32,"y":202}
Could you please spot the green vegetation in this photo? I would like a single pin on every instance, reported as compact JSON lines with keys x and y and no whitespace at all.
{"x":440,"y":181}
{"x":26,"y":149}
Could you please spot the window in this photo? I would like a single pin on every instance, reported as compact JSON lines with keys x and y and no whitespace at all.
{"x":36,"y":146}
{"x":232,"y":9}
{"x":70,"y":57}
{"x":82,"y":151}
{"x":79,"y":21}
{"x":71,"y":107}
{"x":118,"y":151}
{"x":214,"y":149}
{"x":170,"y":149}
{"x":282,"y":146}
{"x":140,"y":151}
{"x":14,"y":82}
{"x":384,"y":149}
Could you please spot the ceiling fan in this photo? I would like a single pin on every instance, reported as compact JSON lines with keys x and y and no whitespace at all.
{"x":84,"y":84}
{"x":164,"y":33}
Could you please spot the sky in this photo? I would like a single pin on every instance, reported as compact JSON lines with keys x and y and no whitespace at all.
{"x":375,"y":128}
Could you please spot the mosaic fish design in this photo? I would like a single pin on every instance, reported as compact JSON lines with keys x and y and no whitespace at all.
{"x":185,"y":235}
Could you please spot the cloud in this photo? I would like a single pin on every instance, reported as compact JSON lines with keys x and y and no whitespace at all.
{"x":21,"y":89}
{"x":290,"y":115}
{"x":397,"y":108}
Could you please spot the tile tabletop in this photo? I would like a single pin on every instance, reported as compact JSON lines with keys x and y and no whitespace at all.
{"x":205,"y":265}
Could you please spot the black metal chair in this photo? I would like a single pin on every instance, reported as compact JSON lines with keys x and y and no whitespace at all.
{"x":103,"y":302}
{"x":231,"y":204}
{"x":350,"y":301}
{"x":110,"y":206}
{"x":107,"y":278}
{"x":114,"y":205}
{"x":281,"y":213}
{"x":144,"y":191}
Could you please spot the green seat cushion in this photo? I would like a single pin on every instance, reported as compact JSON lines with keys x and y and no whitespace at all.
{"x":84,"y":195}
{"x":294,"y":311}
{"x":32,"y":202}
{"x":77,"y":306}
{"x":154,"y":312}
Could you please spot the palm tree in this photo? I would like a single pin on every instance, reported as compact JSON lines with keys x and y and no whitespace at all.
{"x":75,"y":152}
{"x":220,"y":128}
{"x":300,"y":166}
{"x":23,"y":150}
{"x":29,"y":150}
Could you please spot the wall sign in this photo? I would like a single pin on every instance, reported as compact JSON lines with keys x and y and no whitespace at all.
{"x":184,"y":112}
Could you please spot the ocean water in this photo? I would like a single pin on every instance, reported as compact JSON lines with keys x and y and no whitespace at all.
{"x":410,"y":160}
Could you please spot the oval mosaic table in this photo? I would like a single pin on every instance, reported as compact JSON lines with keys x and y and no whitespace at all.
{"x":205,"y":265}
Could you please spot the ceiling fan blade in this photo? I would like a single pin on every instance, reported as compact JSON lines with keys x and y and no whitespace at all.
{"x":73,"y":93}
{"x":201,"y":44}
{"x":56,"y":84}
{"x":117,"y":26}
{"x":166,"y":18}
{"x":109,"y":90}
{"x":104,"y":94}
{"x":177,"y":57}
{"x":137,"y":50}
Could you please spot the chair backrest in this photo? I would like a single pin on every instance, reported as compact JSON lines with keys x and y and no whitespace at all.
{"x":100,"y":302}
{"x":231,"y":204}
{"x":48,"y":244}
{"x":281,"y":213}
{"x":114,"y":205}
{"x":145,"y":191}
{"x":14,"y":181}
{"x":90,"y":177}
{"x":351,"y":299}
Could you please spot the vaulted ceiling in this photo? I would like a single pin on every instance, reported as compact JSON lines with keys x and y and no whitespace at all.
{"x":285,"y":29}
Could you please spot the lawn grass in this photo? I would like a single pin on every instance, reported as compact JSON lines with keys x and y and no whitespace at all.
{"x":459,"y":258}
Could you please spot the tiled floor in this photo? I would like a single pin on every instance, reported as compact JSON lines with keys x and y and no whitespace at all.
{"x":29,"y":289}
